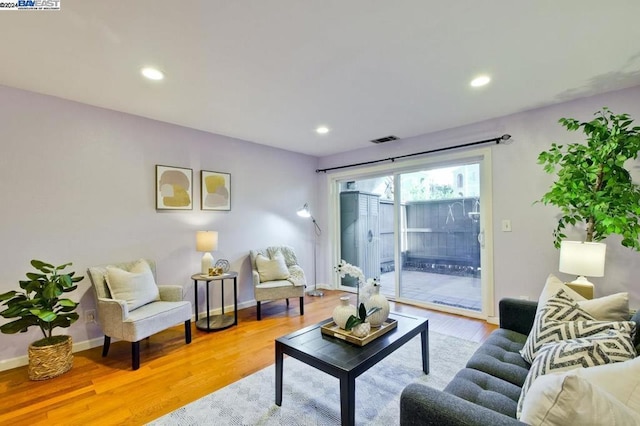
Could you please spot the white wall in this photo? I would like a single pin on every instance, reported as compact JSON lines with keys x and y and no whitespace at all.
{"x":523,"y":258}
{"x":77,"y":185}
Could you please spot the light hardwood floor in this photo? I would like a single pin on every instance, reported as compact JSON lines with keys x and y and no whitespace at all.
{"x":105,"y":391}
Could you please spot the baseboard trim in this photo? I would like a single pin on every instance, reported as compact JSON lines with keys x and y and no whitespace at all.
{"x":8,"y":364}
{"x":493,"y":320}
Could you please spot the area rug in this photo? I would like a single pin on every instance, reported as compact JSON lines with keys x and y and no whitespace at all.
{"x":311,"y":397}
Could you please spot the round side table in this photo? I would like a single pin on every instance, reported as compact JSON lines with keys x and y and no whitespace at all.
{"x":222,"y":321}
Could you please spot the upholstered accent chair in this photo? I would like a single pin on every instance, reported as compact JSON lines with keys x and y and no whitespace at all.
{"x":277,"y":275}
{"x":132,"y":307}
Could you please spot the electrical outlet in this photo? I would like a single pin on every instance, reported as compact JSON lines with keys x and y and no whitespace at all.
{"x":90,"y":316}
{"x":506,"y":225}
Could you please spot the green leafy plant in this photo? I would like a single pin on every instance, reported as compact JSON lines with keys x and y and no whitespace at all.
{"x":40,"y":303}
{"x":362,"y":316}
{"x":593,"y":185}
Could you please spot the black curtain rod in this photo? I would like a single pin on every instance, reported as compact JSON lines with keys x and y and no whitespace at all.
{"x":497,"y":140}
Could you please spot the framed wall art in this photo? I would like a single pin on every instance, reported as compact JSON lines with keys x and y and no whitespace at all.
{"x":174,"y":188}
{"x":216,"y":190}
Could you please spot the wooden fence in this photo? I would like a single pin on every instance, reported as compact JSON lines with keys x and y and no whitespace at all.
{"x":440,"y":236}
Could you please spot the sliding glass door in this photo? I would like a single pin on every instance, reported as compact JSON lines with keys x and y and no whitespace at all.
{"x":440,"y":249}
{"x":420,"y":231}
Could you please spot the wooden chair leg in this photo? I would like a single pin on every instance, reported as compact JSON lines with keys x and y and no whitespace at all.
{"x":301,"y":305}
{"x":187,"y":331}
{"x":135,"y":355}
{"x":258,"y":310}
{"x":105,"y":346}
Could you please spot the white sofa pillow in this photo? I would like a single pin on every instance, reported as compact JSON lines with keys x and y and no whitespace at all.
{"x":560,"y":319}
{"x":568,"y":399}
{"x":621,"y":379}
{"x":552,"y":286}
{"x":614,"y":307}
{"x":137,"y":286}
{"x":551,"y":321}
{"x":604,"y":348}
{"x":272,"y":269}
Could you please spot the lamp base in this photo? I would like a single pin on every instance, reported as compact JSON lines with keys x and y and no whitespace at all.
{"x":315,"y":293}
{"x":582,"y":286}
{"x":207,"y":262}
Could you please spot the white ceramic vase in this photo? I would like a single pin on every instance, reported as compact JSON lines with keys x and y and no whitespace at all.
{"x":342,"y":312}
{"x":377,"y":300}
{"x":361,"y":330}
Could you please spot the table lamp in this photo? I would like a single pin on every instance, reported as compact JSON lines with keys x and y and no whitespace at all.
{"x":584,"y":260}
{"x":206,"y":241}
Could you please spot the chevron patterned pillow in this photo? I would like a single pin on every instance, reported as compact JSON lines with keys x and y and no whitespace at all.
{"x":604,"y":348}
{"x":561,"y":319}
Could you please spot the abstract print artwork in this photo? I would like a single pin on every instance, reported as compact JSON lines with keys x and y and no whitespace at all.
{"x":216,"y":190}
{"x":174,"y":188}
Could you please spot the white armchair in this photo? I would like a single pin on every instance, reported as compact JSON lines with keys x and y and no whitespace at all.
{"x":275,"y":279}
{"x":128,"y":316}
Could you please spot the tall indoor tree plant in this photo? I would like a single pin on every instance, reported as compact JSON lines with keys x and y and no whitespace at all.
{"x":42,"y":303}
{"x":593,"y":185}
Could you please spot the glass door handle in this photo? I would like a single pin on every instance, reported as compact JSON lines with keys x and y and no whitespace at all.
{"x":481,"y":238}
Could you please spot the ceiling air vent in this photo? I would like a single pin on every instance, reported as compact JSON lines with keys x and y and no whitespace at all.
{"x":385,"y":139}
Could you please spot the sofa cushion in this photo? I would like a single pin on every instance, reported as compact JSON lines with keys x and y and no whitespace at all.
{"x":499,"y":356}
{"x":620,"y":379}
{"x":137,"y":286}
{"x":272,"y":269}
{"x":604,"y":348}
{"x":614,"y":307}
{"x":551,"y":287}
{"x":485,"y":390}
{"x":561,"y":319}
{"x":558,"y":400}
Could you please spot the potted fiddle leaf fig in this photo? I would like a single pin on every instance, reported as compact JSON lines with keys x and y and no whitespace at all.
{"x":594,"y":186}
{"x":42,"y":303}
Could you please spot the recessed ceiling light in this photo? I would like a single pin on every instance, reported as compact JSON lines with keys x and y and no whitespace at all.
{"x":481,"y":80}
{"x":322,"y":130}
{"x":152,"y":73}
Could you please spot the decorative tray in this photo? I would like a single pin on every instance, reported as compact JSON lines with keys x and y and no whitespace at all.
{"x":332,"y":329}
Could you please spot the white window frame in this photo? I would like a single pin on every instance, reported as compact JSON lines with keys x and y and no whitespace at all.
{"x":483,"y":155}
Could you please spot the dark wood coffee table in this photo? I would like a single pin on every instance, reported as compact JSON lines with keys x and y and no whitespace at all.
{"x":345,"y":360}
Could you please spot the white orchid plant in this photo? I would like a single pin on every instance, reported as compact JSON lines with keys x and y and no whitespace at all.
{"x":343,"y":269}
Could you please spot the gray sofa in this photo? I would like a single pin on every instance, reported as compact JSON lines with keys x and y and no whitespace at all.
{"x":486,"y":391}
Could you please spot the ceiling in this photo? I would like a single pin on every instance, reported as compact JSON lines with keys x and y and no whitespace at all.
{"x":272,"y":71}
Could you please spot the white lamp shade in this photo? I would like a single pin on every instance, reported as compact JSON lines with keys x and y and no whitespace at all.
{"x":304,"y":211}
{"x":585,"y":259}
{"x":206,"y":241}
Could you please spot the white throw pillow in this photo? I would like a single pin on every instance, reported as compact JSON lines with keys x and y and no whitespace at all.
{"x":604,"y":348}
{"x":560,"y":319}
{"x":552,"y":286}
{"x":567,"y":399}
{"x":137,"y":286}
{"x":551,"y":318}
{"x":272,"y":269}
{"x":621,"y":379}
{"x":614,"y":307}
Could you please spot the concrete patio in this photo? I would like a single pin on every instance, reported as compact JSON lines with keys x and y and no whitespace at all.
{"x":448,"y":290}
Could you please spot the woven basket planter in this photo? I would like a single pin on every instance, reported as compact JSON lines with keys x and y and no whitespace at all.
{"x":48,"y":361}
